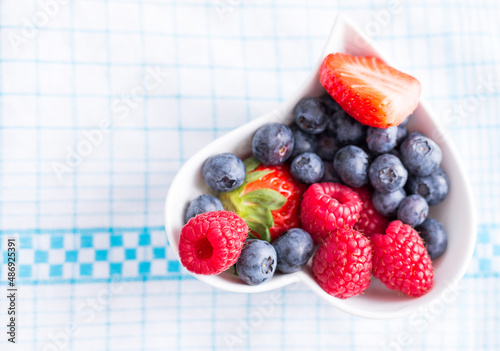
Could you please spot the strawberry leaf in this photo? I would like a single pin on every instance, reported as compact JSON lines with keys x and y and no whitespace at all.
{"x":269,"y":198}
{"x":253,"y":176}
{"x":260,"y":229}
{"x":269,"y":218}
{"x":258,"y":214}
{"x":251,"y":163}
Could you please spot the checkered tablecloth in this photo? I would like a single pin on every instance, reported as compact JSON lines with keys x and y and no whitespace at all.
{"x":101,"y":101}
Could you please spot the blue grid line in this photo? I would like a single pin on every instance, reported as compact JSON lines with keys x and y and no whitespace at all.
{"x":214,"y":129}
{"x":38,"y":163}
{"x":158,"y":96}
{"x":206,"y":97}
{"x":182,"y":157}
{"x":111,"y":148}
{"x":293,"y":5}
{"x":490,"y":113}
{"x":497,"y":108}
{"x":1,"y":129}
{"x":171,"y":277}
{"x":74,"y":116}
{"x":438,"y":66}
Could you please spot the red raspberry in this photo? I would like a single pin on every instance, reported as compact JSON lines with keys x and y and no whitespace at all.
{"x":342,"y":263}
{"x":211,"y":242}
{"x":326,"y":207}
{"x":400,"y":260}
{"x":370,"y":221}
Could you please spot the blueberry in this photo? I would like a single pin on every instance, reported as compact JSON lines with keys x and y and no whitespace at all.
{"x":327,"y":146}
{"x":304,"y":142}
{"x":331,"y":105}
{"x":387,"y":173}
{"x":402,"y":134}
{"x":346,"y":130}
{"x":307,"y":168}
{"x":387,"y":203}
{"x":273,"y":143}
{"x":413,"y":210}
{"x":311,"y":115}
{"x":351,"y":164}
{"x":224,"y":172}
{"x":257,"y":262}
{"x":293,"y":248}
{"x":421,"y":156}
{"x":416,"y":133}
{"x":202,"y":204}
{"x":433,"y":188}
{"x":380,"y":141}
{"x":330,"y":176}
{"x":434,"y":236}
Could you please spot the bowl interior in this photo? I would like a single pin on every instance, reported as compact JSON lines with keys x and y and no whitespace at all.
{"x":456,"y":212}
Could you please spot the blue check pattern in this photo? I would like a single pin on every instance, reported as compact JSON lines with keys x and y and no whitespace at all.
{"x":98,"y":254}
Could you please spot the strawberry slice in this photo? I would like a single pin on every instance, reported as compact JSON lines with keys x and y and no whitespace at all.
{"x":369,"y":90}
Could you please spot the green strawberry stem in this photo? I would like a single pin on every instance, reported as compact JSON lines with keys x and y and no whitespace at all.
{"x":254,"y":207}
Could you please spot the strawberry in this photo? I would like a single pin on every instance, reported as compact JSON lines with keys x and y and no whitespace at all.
{"x":369,"y":90}
{"x":269,"y":200}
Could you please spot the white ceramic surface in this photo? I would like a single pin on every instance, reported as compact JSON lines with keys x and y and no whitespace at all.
{"x":457,"y":212}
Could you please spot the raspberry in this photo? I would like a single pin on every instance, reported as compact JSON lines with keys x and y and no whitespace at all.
{"x":342,"y":263}
{"x":211,"y":242}
{"x":400,"y":260}
{"x":326,"y":207}
{"x":370,"y":221}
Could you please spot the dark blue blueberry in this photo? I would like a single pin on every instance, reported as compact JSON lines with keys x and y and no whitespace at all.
{"x":387,"y":173}
{"x":402,"y":134}
{"x":327,"y":147}
{"x":307,"y":168}
{"x":346,"y":130}
{"x":202,"y":204}
{"x":273,"y":143}
{"x":311,"y":115}
{"x":331,"y":105}
{"x":433,"y":188}
{"x":380,"y":141}
{"x":304,"y":142}
{"x":351,"y":165}
{"x":387,"y":203}
{"x":224,"y":172}
{"x":293,"y":248}
{"x":413,"y":210}
{"x":434,"y":236}
{"x":257,"y":262}
{"x":330,"y":176}
{"x":421,"y":156}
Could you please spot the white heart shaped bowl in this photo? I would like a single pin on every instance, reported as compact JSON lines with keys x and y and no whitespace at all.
{"x":457,"y":212}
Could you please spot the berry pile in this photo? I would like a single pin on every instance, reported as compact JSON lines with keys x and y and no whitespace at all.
{"x":347,"y":179}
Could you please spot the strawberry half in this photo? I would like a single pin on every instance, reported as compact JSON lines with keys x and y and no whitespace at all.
{"x":269,"y":200}
{"x":369,"y":90}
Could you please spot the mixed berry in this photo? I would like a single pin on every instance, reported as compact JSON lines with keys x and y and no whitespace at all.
{"x":345,"y":185}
